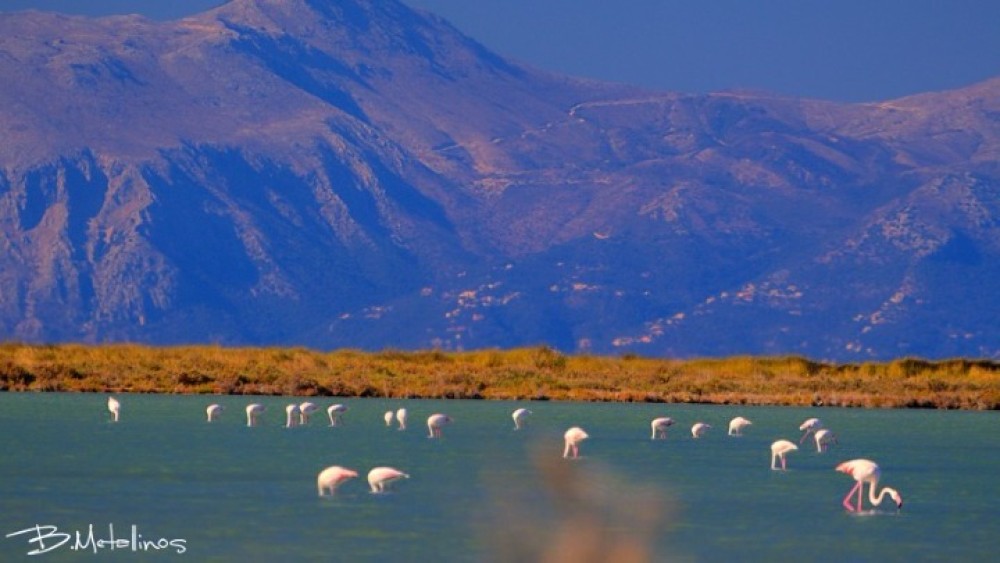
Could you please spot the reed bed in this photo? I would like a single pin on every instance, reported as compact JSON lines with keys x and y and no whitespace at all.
{"x":520,"y":374}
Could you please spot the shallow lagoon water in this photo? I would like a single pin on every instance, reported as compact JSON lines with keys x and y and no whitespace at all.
{"x":484,"y":491}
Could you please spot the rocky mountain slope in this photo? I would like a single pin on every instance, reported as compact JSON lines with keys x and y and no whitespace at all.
{"x":359,"y":174}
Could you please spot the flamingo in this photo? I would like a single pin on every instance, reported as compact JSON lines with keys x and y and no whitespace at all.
{"x":334,"y":412}
{"x":435,"y":422}
{"x":291,"y":415}
{"x":306,"y":409}
{"x":810,"y":425}
{"x":699,"y":429}
{"x":573,"y":437}
{"x":737,"y":425}
{"x":659,"y":427}
{"x":214,"y":411}
{"x":823,"y":438}
{"x":253,"y":411}
{"x":388,"y":418}
{"x":401,"y":418}
{"x":332,"y":477}
{"x":114,"y":407}
{"x":380,"y":477}
{"x":520,"y":417}
{"x":866,"y":471}
{"x":779,"y":450}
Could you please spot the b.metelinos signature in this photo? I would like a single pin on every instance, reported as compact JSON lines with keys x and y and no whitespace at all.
{"x":44,"y":538}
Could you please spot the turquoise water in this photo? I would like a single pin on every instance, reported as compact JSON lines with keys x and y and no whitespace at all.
{"x":485,"y":492}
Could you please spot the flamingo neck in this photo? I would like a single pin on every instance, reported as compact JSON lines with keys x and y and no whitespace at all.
{"x":877,"y":499}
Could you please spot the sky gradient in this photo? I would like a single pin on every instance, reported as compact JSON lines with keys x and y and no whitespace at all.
{"x":845,"y":50}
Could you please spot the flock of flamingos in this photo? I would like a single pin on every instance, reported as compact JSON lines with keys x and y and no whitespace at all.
{"x":862,"y":470}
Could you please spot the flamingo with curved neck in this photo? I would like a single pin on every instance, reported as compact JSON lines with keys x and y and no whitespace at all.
{"x":867,"y":471}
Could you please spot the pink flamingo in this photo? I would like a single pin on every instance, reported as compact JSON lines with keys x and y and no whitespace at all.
{"x":779,"y":450}
{"x":114,"y":407}
{"x":572,"y":438}
{"x":305,"y":410}
{"x":380,"y":477}
{"x":334,"y":412}
{"x":737,"y":425}
{"x":823,"y":438}
{"x":866,"y":471}
{"x":254,"y":410}
{"x":699,"y":429}
{"x":659,"y":427}
{"x":214,"y":411}
{"x":809,"y":426}
{"x":435,"y":422}
{"x":332,"y":477}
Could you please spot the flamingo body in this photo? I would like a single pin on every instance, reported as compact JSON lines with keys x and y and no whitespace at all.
{"x":401,"y":418}
{"x":572,"y":439}
{"x":659,"y":427}
{"x":520,"y":416}
{"x":779,"y":450}
{"x":866,"y":471}
{"x":380,"y":477}
{"x":388,"y":418}
{"x":737,"y":425}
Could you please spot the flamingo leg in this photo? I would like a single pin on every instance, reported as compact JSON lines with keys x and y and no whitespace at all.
{"x":783,"y":468}
{"x":847,"y":499}
{"x":860,"y":488}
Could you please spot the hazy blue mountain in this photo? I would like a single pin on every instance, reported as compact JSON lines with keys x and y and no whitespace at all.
{"x":359,"y":174}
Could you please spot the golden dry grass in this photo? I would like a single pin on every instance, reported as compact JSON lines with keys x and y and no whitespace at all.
{"x":526,"y":373}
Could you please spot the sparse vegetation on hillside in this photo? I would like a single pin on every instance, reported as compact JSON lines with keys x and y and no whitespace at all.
{"x":523,"y":374}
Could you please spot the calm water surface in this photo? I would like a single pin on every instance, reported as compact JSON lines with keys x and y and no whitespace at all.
{"x":485,"y":492}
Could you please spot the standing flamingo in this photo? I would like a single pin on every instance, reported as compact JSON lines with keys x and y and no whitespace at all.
{"x":737,"y":425}
{"x":334,"y":412}
{"x":388,"y":418}
{"x":401,"y":418}
{"x":823,"y":438}
{"x":520,"y":416}
{"x":699,"y":429}
{"x":866,"y":471}
{"x":114,"y":407}
{"x":332,"y":477}
{"x":435,"y":422}
{"x":214,"y":411}
{"x":779,"y":450}
{"x":380,"y":477}
{"x":306,"y":409}
{"x":291,"y":416}
{"x":572,"y":438}
{"x":254,"y":410}
{"x":659,"y":427}
{"x":810,"y":425}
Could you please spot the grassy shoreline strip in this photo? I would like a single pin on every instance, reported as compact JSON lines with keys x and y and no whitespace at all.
{"x":518,"y":374}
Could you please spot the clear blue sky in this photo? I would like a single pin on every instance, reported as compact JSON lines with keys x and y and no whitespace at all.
{"x":848,"y":50}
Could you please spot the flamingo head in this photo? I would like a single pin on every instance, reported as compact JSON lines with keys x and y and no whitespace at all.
{"x":896,"y":497}
{"x":350,"y":474}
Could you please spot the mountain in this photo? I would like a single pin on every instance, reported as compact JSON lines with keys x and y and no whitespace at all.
{"x":360,"y":174}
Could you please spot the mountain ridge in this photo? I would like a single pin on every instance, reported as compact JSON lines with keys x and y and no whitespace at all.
{"x":360,"y":174}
